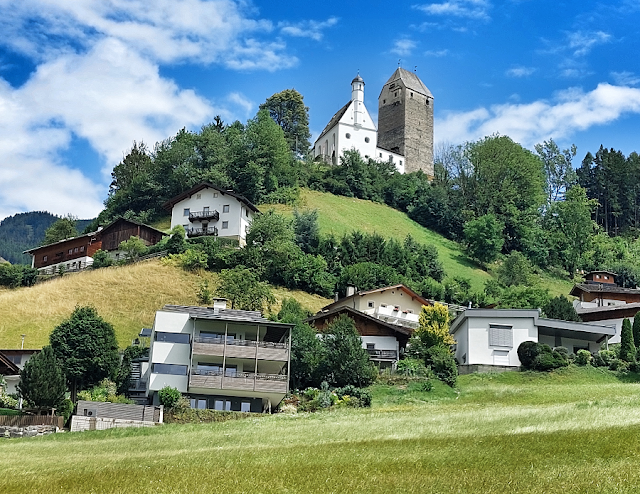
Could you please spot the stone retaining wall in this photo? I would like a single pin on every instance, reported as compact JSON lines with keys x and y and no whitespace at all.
{"x":28,"y":431}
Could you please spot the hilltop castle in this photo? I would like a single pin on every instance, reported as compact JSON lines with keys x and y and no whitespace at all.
{"x":405,"y":125}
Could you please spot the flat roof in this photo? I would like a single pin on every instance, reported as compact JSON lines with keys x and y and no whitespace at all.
{"x":230,"y":315}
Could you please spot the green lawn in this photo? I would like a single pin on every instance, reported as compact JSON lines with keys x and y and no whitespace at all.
{"x":339,"y":215}
{"x":572,"y":431}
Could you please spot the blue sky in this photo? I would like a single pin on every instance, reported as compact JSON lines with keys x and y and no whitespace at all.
{"x":80,"y":80}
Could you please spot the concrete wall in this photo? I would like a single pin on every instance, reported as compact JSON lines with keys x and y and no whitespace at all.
{"x":389,"y":297}
{"x":79,"y":424}
{"x":122,"y":411}
{"x":381,"y":342}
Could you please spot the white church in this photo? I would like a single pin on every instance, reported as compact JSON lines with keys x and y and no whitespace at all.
{"x":405,"y":118}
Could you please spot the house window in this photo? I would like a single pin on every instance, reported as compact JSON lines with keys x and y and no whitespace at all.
{"x":371,"y":346}
{"x":198,"y":196}
{"x":205,"y":210}
{"x":400,"y":162}
{"x":245,"y":406}
{"x":172,"y":337}
{"x":225,"y":208}
{"x":215,"y":195}
{"x":412,"y":95}
{"x":381,"y":155}
{"x":210,"y":369}
{"x":395,"y":94}
{"x":198,"y":403}
{"x":70,"y":251}
{"x":222,"y":405}
{"x":231,"y":371}
{"x":75,"y":250}
{"x":606,"y":277}
{"x":500,"y":335}
{"x":82,"y":249}
{"x":396,"y":307}
{"x":173,"y":369}
{"x":225,"y":225}
{"x":185,"y":212}
{"x":246,"y":213}
{"x":371,"y":304}
{"x":44,"y":258}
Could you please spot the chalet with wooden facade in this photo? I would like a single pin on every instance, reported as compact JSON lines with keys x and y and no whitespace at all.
{"x":77,"y":253}
{"x":385,"y":319}
{"x":600,"y":299}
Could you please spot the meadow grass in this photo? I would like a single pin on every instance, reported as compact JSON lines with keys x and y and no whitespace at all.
{"x":450,"y":442}
{"x":339,"y":215}
{"x":125,"y":296}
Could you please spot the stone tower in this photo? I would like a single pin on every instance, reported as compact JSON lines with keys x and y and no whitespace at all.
{"x":405,"y":120}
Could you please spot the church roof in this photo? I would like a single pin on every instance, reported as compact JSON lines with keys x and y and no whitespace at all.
{"x":410,"y":80}
{"x":334,"y":120}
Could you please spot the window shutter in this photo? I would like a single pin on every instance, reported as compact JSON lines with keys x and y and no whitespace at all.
{"x":500,"y":335}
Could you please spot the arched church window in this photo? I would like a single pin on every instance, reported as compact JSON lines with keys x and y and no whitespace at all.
{"x":366,"y":139}
{"x":347,"y":135}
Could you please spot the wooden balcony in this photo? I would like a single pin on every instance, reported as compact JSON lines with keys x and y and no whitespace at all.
{"x":262,"y":350}
{"x":201,"y":232}
{"x":382,"y":354}
{"x":204,"y":215}
{"x":241,"y":381}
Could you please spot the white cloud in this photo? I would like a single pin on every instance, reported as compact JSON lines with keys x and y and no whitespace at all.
{"x":520,"y":71}
{"x":308,"y":29}
{"x":472,"y":9}
{"x":245,"y":105}
{"x":571,"y":111}
{"x":436,"y":53}
{"x":403,"y":47}
{"x":581,"y":42}
{"x":215,"y":31}
{"x":625,"y":78}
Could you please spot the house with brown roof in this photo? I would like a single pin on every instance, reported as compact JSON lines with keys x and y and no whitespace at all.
{"x":384,"y":317}
{"x":600,"y":299}
{"x":76,"y":253}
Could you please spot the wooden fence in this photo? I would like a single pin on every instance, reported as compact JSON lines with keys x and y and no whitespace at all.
{"x":27,"y":420}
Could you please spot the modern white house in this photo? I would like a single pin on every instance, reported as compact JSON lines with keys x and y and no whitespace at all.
{"x":488,"y":339}
{"x":385,"y":319}
{"x":220,"y":358}
{"x":353,"y":128}
{"x":209,"y":210}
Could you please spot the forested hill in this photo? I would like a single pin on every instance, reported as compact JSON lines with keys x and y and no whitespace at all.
{"x":24,"y":231}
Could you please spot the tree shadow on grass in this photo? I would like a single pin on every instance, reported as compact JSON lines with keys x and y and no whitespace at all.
{"x":629,"y":377}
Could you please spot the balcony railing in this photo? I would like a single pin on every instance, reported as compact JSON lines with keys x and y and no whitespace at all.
{"x":201,"y":232}
{"x":244,"y":381}
{"x":219,"y":340}
{"x":137,"y":385}
{"x":204,"y":215}
{"x":382,"y":354}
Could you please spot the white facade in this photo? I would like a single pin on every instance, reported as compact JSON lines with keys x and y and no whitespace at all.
{"x":223,"y":359}
{"x":353,"y":128}
{"x":490,"y":337}
{"x":212,"y":211}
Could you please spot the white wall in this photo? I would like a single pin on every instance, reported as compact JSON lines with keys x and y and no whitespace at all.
{"x":381,"y":342}
{"x":480,"y":353}
{"x":162,"y":352}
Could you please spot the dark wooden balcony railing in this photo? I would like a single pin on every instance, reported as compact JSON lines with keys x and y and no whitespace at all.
{"x":382,"y":354}
{"x":200,"y":232}
{"x":204,"y":215}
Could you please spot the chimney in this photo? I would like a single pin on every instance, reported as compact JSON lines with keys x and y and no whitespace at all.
{"x":351,"y":290}
{"x":219,"y":303}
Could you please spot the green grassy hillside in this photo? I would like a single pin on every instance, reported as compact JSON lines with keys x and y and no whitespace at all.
{"x":339,"y":215}
{"x":571,"y":431}
{"x":126,"y":296}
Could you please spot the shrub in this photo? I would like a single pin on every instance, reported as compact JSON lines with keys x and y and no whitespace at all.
{"x":360,"y":397}
{"x":443,"y":364}
{"x":7,"y":401}
{"x":105,"y":391}
{"x":619,"y":365}
{"x":101,"y":259}
{"x":583,"y":357}
{"x":411,"y":367}
{"x":540,"y":357}
{"x":193,"y":260}
{"x":603,"y":358}
{"x":169,"y":396}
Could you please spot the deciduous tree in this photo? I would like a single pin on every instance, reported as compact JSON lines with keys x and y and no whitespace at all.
{"x":62,"y":229}
{"x":287,"y":109}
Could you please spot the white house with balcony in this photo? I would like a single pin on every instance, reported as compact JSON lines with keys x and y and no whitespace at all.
{"x":209,"y":210}
{"x":488,"y":339}
{"x":385,"y":319}
{"x":219,"y":358}
{"x":353,"y":128}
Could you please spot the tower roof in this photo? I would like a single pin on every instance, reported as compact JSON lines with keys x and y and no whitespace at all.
{"x":410,"y":80}
{"x":357,"y":79}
